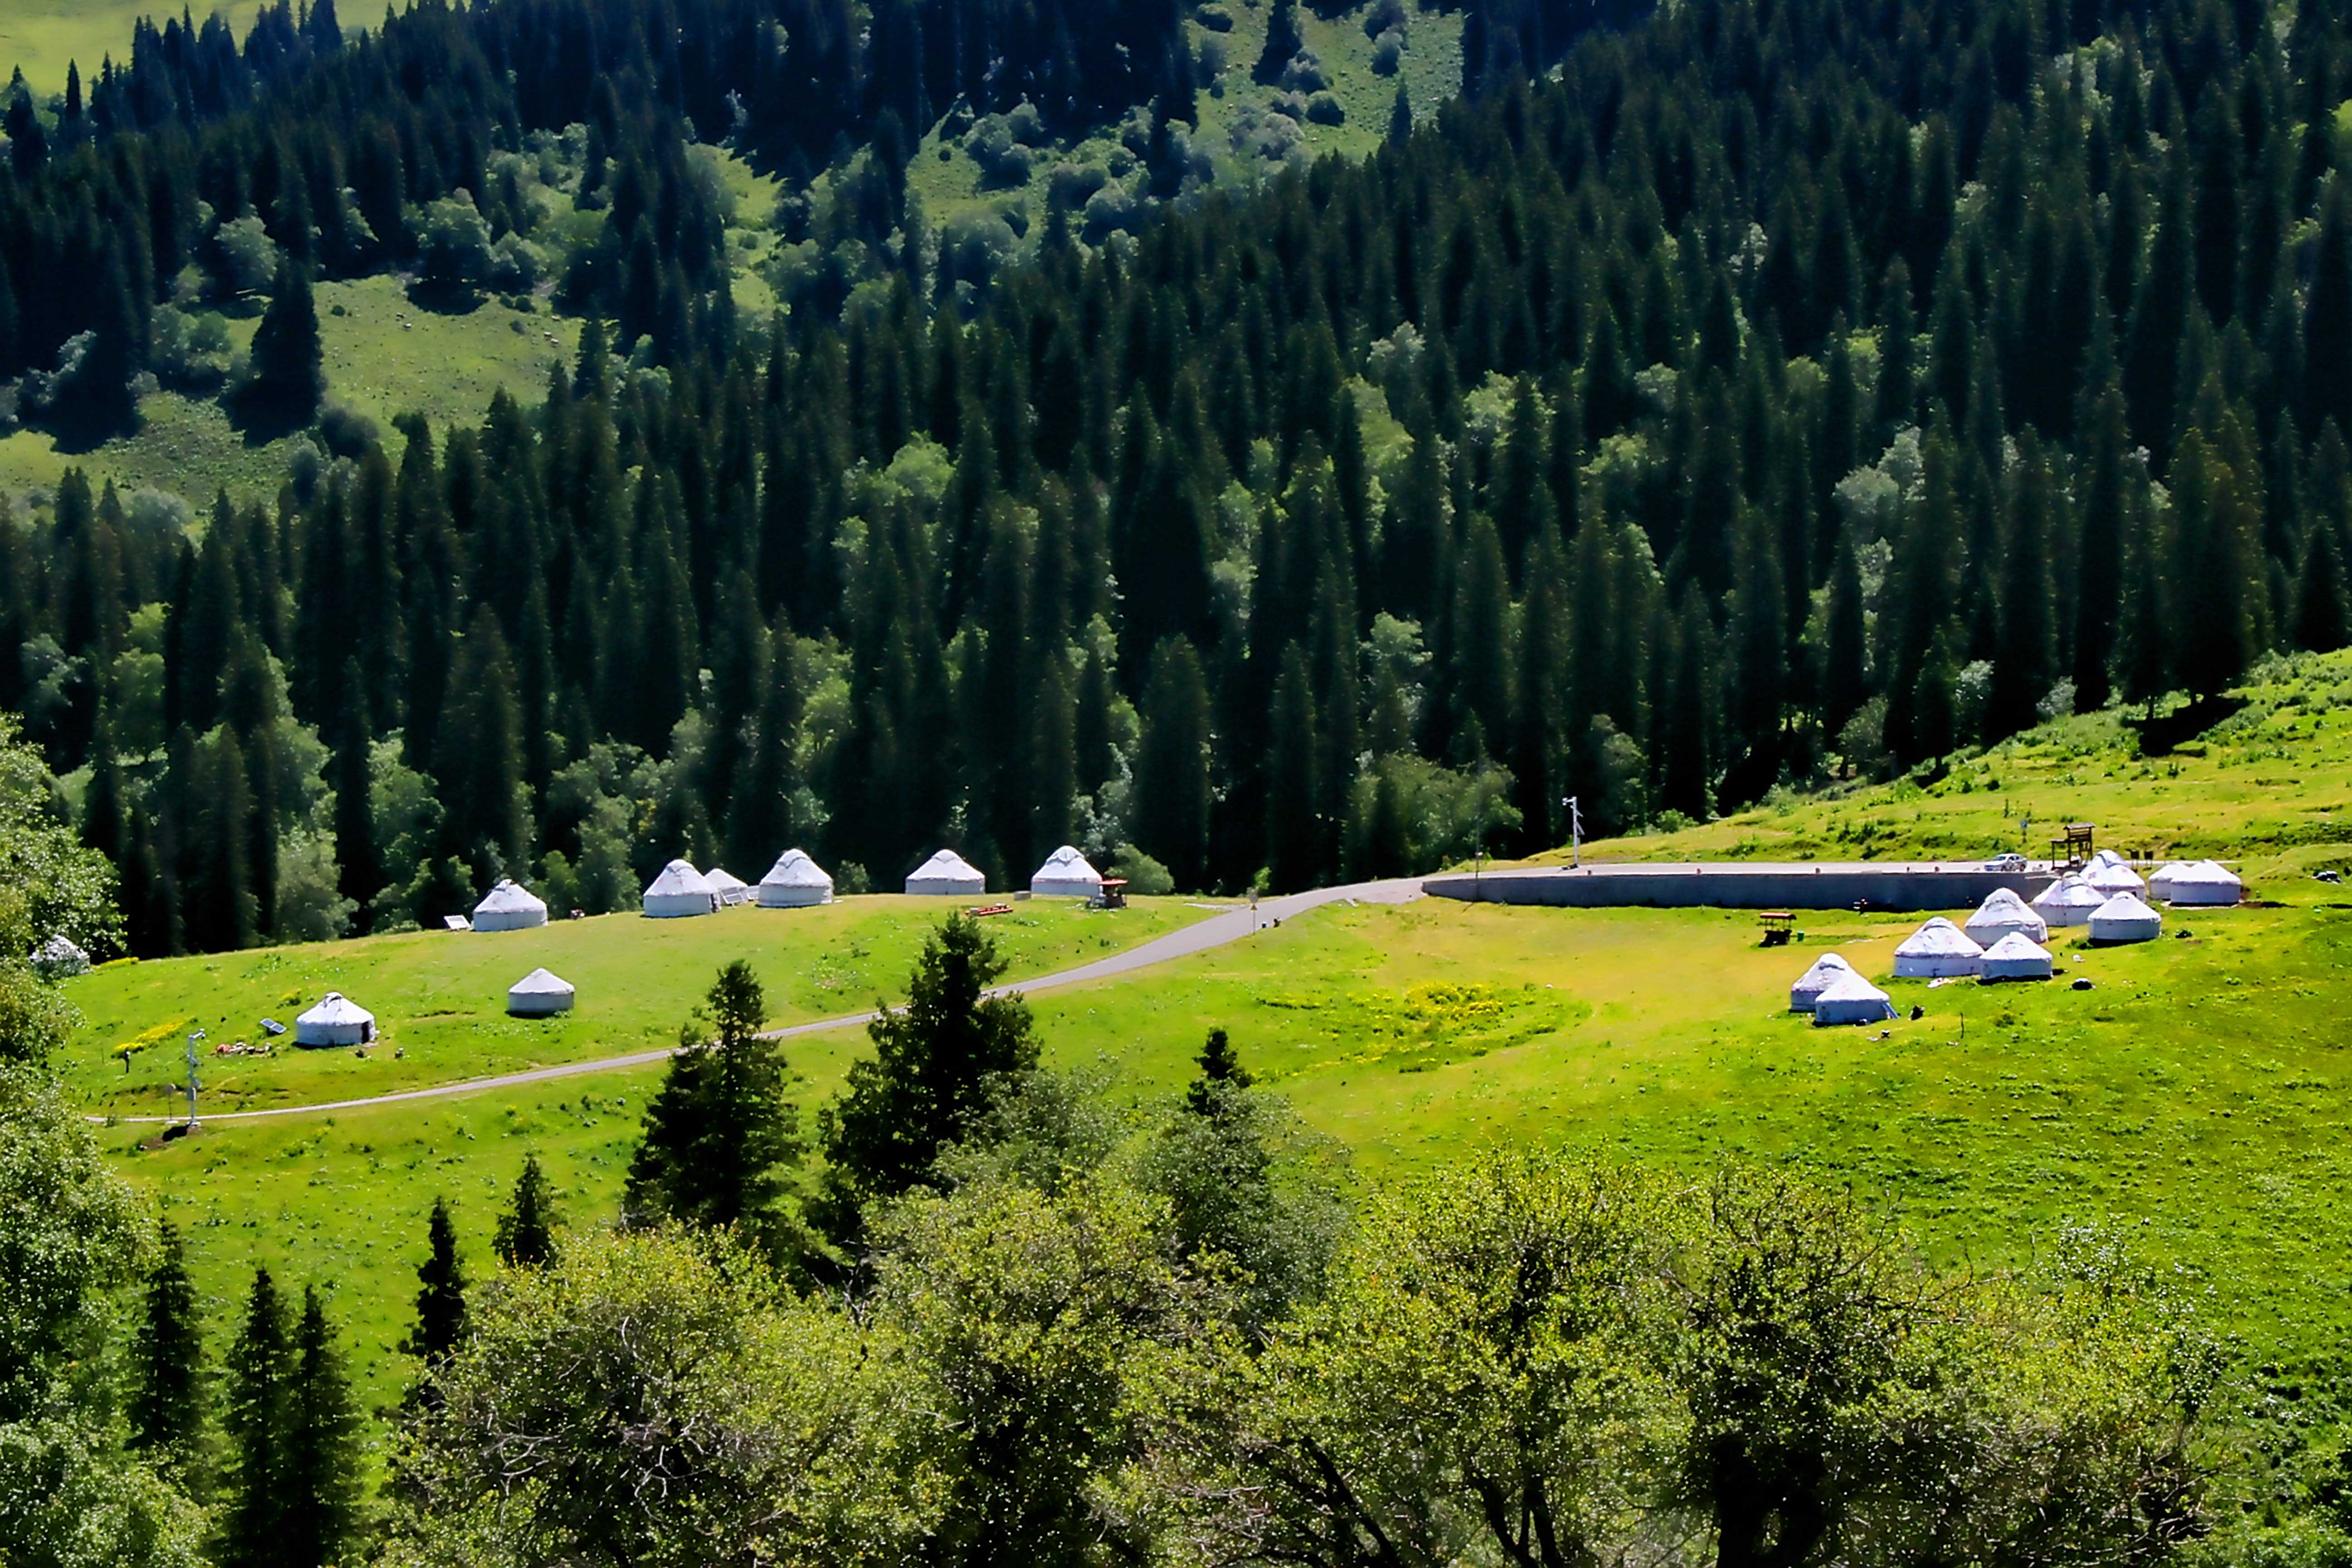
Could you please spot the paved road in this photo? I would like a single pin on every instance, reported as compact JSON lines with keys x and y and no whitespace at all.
{"x":1198,"y":937}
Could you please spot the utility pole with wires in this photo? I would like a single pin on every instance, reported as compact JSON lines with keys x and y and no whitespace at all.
{"x":192,"y":1078}
{"x":1575,"y":828}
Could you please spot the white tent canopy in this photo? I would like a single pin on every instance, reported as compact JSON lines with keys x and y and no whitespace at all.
{"x":794,"y":882}
{"x":2126,"y":917}
{"x":1851,"y":999}
{"x":679,"y":891}
{"x":510,"y":908}
{"x":2113,"y":876}
{"x":60,"y":959}
{"x":946,"y":875}
{"x":731,"y":888}
{"x":2003,"y":913}
{"x":1826,"y":971}
{"x":2068,"y":901}
{"x":1936,"y":948}
{"x":539,"y":993}
{"x":1066,"y":874}
{"x":335,"y":1021}
{"x":2207,"y":883}
{"x":2016,"y":957}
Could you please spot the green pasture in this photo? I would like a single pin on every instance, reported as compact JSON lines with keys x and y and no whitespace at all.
{"x":439,"y":997}
{"x":41,"y":37}
{"x":2270,"y":788}
{"x":2190,"y":1099}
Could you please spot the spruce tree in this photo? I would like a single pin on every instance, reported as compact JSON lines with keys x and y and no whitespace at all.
{"x":2319,"y":598}
{"x":287,"y":377}
{"x":526,"y":1233}
{"x":322,"y":1470}
{"x":260,"y":1366}
{"x":1219,"y":1064}
{"x":719,"y":1136}
{"x":1400,"y":118}
{"x":1294,"y":830}
{"x":934,"y":1064}
{"x":441,"y":1299}
{"x":1171,"y":771}
{"x":1282,"y":43}
{"x":168,"y":1385}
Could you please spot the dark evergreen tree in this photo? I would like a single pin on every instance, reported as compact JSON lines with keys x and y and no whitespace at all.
{"x":287,"y":377}
{"x":168,"y":1404}
{"x":719,"y":1137}
{"x":320,"y":1475}
{"x":933,"y":1066}
{"x":260,"y":1362}
{"x":526,"y":1233}
{"x":441,"y":1297}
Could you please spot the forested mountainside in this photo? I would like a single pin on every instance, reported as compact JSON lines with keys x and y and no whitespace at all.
{"x":1767,"y":390}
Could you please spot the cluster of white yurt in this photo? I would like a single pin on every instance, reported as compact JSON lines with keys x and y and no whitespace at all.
{"x":540,"y":994}
{"x":335,"y":1021}
{"x":679,"y":892}
{"x":2206,"y":884}
{"x":507,"y":907}
{"x":1851,"y":999}
{"x":1938,"y":951}
{"x":795,"y":881}
{"x":2068,"y":901}
{"x":2017,"y":957}
{"x":60,"y":959}
{"x":1826,"y":971}
{"x":2109,"y":874}
{"x":2126,"y":917}
{"x":1067,"y":874}
{"x":731,"y":889}
{"x":2002,"y":914}
{"x":946,"y":875}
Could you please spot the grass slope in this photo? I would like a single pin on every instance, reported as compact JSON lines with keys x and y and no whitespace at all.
{"x":41,"y":37}
{"x":2270,"y":786}
{"x":440,"y":998}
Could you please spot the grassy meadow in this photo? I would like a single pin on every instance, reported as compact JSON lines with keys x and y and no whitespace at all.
{"x":41,"y":37}
{"x":439,"y":997}
{"x":2270,"y":788}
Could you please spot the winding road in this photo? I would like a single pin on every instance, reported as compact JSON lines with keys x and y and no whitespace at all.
{"x":1198,"y":937}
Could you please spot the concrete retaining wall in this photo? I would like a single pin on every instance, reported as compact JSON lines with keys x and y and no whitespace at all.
{"x":1735,"y":885}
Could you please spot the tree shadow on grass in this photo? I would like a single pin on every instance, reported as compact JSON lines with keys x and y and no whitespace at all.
{"x":2162,"y":733}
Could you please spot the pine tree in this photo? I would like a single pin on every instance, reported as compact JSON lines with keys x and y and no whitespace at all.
{"x":1172,"y":770}
{"x":1844,"y":675}
{"x":1219,"y":1064}
{"x":441,"y":1300}
{"x":1294,"y":830}
{"x":169,"y":1387}
{"x":1282,"y":43}
{"x":1400,"y":118}
{"x":526,"y":1233}
{"x":260,"y":1365}
{"x":2319,"y":598}
{"x":934,"y":1064}
{"x":321,"y":1473}
{"x":286,"y":375}
{"x":719,"y":1136}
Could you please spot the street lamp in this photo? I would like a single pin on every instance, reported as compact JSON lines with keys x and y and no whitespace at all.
{"x":199,"y":1035}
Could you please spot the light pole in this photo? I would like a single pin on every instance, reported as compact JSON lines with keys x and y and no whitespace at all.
{"x":192,"y":1078}
{"x":1575,"y":828}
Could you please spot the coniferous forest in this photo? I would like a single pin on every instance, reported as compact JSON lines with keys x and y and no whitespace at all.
{"x":1751,"y":392}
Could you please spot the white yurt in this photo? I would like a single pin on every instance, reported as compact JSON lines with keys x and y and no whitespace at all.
{"x":2017,"y":957}
{"x":2160,"y":881}
{"x":1826,"y":971}
{"x":1851,"y":999}
{"x":538,"y":994}
{"x":947,"y":874}
{"x":1065,"y":874}
{"x":1936,"y":950}
{"x":681,"y":890}
{"x":793,"y":882}
{"x":731,"y":888}
{"x":2068,"y":901}
{"x":508,"y":908}
{"x":2003,"y":913}
{"x":2126,"y":917}
{"x":2206,"y":884}
{"x":60,"y":959}
{"x":2111,"y":876}
{"x":335,"y":1021}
